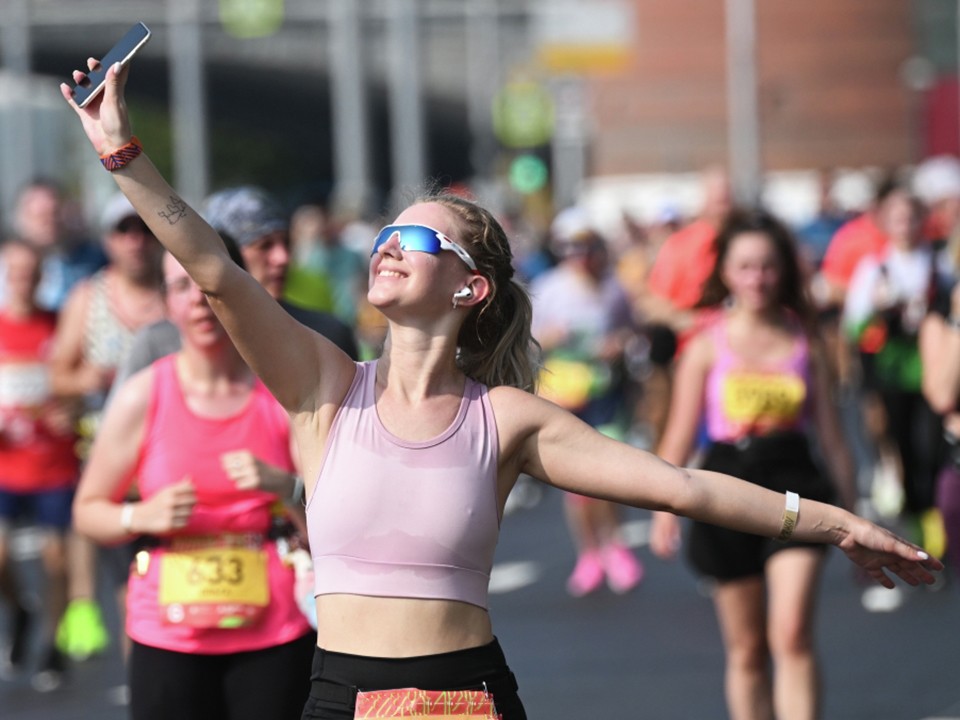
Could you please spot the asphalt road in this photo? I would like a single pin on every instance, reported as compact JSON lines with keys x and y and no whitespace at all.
{"x":654,"y":653}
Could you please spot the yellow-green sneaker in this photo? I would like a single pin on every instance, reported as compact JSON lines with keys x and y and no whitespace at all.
{"x":81,"y":633}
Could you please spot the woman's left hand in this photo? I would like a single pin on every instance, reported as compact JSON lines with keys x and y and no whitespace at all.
{"x":879,"y":552}
{"x":105,"y":119}
{"x":251,"y":473}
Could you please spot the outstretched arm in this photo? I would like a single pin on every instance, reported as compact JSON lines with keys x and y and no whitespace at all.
{"x":553,"y":445}
{"x":287,"y":356}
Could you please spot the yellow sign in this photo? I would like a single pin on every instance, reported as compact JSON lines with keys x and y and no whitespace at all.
{"x":584,"y":36}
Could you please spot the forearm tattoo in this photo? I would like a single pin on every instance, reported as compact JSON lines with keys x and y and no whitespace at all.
{"x":175,"y":211}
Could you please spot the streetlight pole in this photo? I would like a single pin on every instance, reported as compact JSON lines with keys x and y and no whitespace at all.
{"x":407,"y":143}
{"x":16,"y":159}
{"x":189,"y":109}
{"x":351,"y":162}
{"x":743,"y":121}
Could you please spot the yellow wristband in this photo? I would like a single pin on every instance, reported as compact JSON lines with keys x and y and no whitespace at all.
{"x":791,"y":512}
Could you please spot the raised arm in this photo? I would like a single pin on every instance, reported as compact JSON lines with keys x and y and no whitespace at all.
{"x":554,"y":446}
{"x":286,"y":355}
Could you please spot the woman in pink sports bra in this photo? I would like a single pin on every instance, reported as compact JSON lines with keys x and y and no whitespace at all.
{"x":403,"y":604}
{"x":214,"y":625}
{"x":758,"y":379}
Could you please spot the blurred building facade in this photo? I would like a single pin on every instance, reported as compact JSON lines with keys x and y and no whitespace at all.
{"x":829,"y":87}
{"x":839,"y":82}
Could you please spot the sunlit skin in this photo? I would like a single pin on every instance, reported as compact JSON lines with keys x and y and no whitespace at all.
{"x":187,"y":307}
{"x":403,"y":281}
{"x":751,"y":271}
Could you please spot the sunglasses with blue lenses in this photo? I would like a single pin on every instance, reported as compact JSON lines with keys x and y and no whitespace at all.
{"x":421,"y":238}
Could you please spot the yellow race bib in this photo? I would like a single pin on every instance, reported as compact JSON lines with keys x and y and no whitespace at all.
{"x":763,"y":398}
{"x":216,"y":586}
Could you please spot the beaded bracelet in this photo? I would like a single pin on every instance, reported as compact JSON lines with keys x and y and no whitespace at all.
{"x":122,"y":156}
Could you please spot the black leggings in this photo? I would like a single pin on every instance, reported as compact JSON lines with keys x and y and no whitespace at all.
{"x":336,"y":678}
{"x":269,"y":683}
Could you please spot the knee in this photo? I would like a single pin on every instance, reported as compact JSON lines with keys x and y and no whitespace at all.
{"x":749,"y":653}
{"x":791,"y":639}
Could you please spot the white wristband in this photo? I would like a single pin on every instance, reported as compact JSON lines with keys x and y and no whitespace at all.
{"x":126,"y":518}
{"x":791,"y":511}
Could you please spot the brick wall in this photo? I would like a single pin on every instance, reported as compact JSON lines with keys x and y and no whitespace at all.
{"x":830,"y":91}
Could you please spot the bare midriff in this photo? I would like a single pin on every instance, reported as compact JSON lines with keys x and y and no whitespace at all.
{"x":399,"y":627}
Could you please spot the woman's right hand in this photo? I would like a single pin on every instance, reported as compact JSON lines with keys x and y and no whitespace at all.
{"x":665,"y":535}
{"x":167,"y":511}
{"x":881,"y":553}
{"x":105,"y":119}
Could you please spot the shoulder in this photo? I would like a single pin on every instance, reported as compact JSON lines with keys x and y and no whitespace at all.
{"x":512,"y":405}
{"x":700,"y":352}
{"x":133,"y":397}
{"x":78,"y":301}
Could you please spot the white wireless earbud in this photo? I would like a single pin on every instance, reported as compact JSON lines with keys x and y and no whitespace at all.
{"x":463,"y":294}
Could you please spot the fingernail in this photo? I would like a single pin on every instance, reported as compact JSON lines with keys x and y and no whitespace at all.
{"x":116,"y":67}
{"x":922,"y":555}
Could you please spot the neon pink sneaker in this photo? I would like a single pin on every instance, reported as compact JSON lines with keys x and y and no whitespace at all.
{"x":624,"y":571}
{"x":587,"y":576}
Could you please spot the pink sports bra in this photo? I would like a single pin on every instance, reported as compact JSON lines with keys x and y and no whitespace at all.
{"x":394,"y":518}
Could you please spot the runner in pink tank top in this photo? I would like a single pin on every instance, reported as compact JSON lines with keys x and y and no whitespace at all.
{"x":211,"y":608}
{"x":757,"y":381}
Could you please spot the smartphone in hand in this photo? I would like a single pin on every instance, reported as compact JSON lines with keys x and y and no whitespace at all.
{"x":125,"y":49}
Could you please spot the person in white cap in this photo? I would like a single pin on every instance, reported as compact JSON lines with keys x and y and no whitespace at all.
{"x":582,"y":319}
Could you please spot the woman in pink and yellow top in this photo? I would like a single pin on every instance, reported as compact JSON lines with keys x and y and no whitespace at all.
{"x":211,"y":609}
{"x":758,"y":379}
{"x":408,"y":460}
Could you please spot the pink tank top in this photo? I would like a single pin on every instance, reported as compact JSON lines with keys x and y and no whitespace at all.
{"x":394,"y":518}
{"x":748,"y":399}
{"x":179,"y":443}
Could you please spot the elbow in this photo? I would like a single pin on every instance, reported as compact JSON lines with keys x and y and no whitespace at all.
{"x":940,"y":402}
{"x":82,"y":521}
